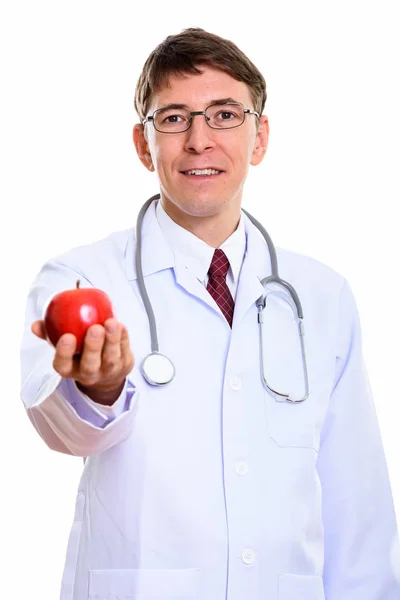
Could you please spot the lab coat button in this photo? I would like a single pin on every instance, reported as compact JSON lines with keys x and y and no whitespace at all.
{"x":235,"y":383}
{"x":241,"y":467}
{"x":248,"y":556}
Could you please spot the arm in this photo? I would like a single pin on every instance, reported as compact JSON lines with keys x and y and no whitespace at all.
{"x":361,"y":539}
{"x":68,"y":420}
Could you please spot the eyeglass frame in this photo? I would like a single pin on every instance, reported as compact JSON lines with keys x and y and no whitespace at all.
{"x":192,"y":114}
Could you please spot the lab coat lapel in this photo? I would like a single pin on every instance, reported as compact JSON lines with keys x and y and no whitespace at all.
{"x":156,"y":252}
{"x":256,"y":265}
{"x":158,"y":255}
{"x":191,"y":284}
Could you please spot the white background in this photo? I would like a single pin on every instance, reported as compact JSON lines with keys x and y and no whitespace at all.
{"x":328,"y":188}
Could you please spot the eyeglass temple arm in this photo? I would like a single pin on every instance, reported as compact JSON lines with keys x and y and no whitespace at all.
{"x":250,"y":111}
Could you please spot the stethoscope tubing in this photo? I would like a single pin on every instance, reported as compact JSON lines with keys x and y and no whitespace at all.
{"x":156,"y":360}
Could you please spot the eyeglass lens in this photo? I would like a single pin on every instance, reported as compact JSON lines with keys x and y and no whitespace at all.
{"x":221,"y":116}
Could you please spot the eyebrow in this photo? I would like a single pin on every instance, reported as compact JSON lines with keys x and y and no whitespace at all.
{"x":212,"y":102}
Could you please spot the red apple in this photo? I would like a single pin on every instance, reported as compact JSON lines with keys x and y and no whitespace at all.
{"x":74,"y":311}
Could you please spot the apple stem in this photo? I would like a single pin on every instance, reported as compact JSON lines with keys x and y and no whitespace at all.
{"x":78,"y":283}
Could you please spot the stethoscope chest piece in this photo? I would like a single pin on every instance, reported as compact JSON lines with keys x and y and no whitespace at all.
{"x":157,"y":369}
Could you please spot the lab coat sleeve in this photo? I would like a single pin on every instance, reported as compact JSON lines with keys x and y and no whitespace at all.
{"x":67,"y":420}
{"x":362,"y":558}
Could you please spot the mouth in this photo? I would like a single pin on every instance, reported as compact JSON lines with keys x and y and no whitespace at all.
{"x":202,"y":174}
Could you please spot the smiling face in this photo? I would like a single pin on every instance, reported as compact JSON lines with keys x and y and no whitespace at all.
{"x":194,"y":199}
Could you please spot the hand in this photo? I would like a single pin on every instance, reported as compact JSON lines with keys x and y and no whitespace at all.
{"x":106,"y":359}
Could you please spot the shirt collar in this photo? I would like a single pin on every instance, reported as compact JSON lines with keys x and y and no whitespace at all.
{"x":196,"y":253}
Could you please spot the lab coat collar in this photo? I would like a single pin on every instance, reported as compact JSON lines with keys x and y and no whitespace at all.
{"x":156,"y":252}
{"x":256,"y":266}
{"x":158,"y":255}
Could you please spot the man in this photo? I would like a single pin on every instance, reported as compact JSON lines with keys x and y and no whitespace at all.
{"x":212,"y":485}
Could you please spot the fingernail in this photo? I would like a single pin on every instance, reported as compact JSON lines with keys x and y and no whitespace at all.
{"x":95,"y":333}
{"x":112,"y":327}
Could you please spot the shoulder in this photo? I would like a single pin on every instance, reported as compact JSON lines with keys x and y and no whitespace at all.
{"x":326,"y":296}
{"x":104,"y":256}
{"x":322,"y":288}
{"x":308,"y":271}
{"x":112,"y":246}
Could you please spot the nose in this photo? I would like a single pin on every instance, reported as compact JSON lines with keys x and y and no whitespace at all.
{"x":199,"y":136}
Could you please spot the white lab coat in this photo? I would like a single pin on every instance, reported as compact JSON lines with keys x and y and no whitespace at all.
{"x":209,"y":488}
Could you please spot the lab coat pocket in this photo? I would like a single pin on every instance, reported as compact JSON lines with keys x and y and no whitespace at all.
{"x":67,"y":584}
{"x":292,"y":424}
{"x":144,"y":584}
{"x":300,"y":587}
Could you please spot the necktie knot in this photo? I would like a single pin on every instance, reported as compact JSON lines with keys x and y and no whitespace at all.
{"x":219,"y":265}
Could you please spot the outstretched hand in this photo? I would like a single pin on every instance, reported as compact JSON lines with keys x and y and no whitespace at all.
{"x":106,"y":359}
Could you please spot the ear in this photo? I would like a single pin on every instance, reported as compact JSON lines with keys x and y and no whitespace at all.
{"x":142,"y":147}
{"x":261,"y":142}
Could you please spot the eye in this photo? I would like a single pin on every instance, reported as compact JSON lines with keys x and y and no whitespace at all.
{"x":226,"y":115}
{"x":175,"y":118}
{"x":169,"y":116}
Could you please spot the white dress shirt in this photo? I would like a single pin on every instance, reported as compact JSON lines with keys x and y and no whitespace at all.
{"x":198,"y":254}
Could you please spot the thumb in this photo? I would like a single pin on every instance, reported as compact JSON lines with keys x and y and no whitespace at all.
{"x":37,"y":328}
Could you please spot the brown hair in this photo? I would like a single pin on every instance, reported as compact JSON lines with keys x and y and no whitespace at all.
{"x":181,"y":53}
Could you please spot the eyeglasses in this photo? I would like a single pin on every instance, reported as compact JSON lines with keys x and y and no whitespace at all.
{"x":175,"y":119}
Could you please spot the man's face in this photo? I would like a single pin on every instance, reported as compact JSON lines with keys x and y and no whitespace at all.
{"x":229,"y":151}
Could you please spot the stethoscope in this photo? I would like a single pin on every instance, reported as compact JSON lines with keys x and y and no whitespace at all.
{"x":158,"y":369}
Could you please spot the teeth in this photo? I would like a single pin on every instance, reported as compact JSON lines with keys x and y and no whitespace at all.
{"x":202,"y":172}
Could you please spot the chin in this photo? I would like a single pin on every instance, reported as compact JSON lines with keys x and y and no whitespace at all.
{"x":202,"y":207}
{"x":202,"y":203}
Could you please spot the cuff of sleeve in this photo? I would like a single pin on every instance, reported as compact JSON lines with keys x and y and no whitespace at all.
{"x":84,"y":407}
{"x":109,"y":412}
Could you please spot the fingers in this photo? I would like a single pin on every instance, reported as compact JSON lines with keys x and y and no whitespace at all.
{"x":86,"y":368}
{"x":117,"y":357}
{"x":90,"y":364}
{"x":126,"y":352}
{"x":105,"y":360}
{"x":63,"y":361}
{"x":112,"y":351}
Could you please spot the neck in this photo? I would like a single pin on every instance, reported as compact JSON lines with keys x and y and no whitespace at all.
{"x":212,"y":229}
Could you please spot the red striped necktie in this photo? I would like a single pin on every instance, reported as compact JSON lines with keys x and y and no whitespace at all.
{"x":217,"y":285}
